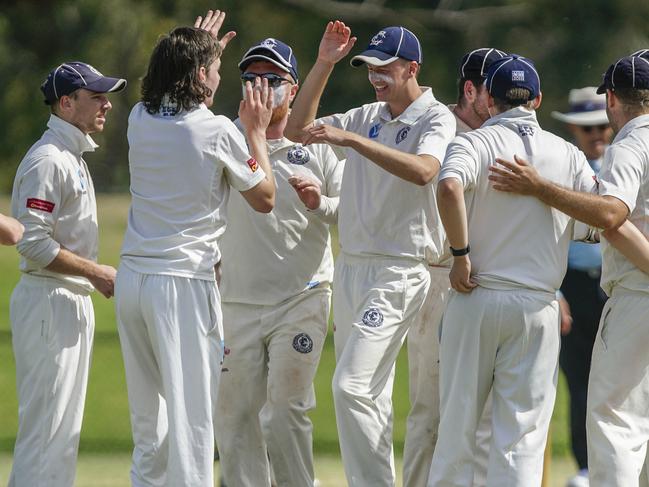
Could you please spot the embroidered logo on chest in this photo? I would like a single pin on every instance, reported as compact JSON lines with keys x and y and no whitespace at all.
{"x":374,"y":131}
{"x":401,"y":135}
{"x":298,"y":155}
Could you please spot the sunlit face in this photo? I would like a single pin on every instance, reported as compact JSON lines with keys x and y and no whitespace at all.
{"x":283,"y":93}
{"x":85,"y":109}
{"x":592,"y":139}
{"x":388,"y":81}
{"x":211,"y":78}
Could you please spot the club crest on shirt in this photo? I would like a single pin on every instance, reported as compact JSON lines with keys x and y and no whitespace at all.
{"x":298,"y":155}
{"x":372,"y":317}
{"x":82,"y":179}
{"x":378,"y":38}
{"x":525,"y":130}
{"x":402,"y":134}
{"x":374,"y":131}
{"x":302,"y":343}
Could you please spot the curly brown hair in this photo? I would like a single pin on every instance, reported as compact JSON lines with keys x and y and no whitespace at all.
{"x":174,"y":66}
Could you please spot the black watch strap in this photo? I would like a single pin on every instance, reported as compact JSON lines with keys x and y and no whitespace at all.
{"x":460,"y":252}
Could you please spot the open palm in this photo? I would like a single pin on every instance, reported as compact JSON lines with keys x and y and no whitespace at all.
{"x":336,"y":42}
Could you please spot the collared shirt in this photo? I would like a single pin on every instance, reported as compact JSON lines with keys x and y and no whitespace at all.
{"x":625,"y":175}
{"x":182,"y":164}
{"x":380,"y":213}
{"x":53,"y":197}
{"x":461,"y":126}
{"x":516,"y":241}
{"x":270,"y":257}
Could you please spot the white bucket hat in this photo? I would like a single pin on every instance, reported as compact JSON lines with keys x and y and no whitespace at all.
{"x":586,"y":108}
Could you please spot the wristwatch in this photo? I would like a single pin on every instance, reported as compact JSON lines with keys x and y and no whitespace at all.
{"x":460,"y":252}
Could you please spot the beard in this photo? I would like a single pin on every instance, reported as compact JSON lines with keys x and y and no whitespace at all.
{"x":279,"y":113}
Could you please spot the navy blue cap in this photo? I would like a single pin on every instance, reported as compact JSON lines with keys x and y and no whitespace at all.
{"x":513,"y":71}
{"x":474,"y":64}
{"x":69,"y":77}
{"x":274,"y":51}
{"x":390,"y":44}
{"x":628,"y":72}
{"x":644,"y":53}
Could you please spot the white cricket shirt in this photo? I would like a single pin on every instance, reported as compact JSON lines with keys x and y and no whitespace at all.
{"x":382,"y":214}
{"x":182,"y":166}
{"x":270,"y":257}
{"x":53,"y":197}
{"x":516,"y":241}
{"x":625,"y":175}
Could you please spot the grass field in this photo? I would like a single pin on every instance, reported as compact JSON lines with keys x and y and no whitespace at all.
{"x":105,"y":438}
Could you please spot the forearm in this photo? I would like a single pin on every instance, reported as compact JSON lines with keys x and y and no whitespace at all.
{"x":11,"y":230}
{"x":328,"y":209}
{"x":592,"y":209}
{"x":305,"y":106}
{"x":71,"y":264}
{"x":259,"y":150}
{"x":631,"y":243}
{"x":416,"y":169}
{"x":452,"y":210}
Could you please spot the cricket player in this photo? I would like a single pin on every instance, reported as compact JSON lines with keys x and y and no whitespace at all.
{"x":52,"y":318}
{"x":11,"y":230}
{"x":276,"y":288}
{"x":388,"y":229}
{"x":183,"y":160}
{"x":500,"y":330}
{"x":618,"y":389}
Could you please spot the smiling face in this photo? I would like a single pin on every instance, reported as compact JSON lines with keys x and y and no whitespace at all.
{"x":283,"y":93}
{"x":390,"y":80}
{"x":84,"y":109}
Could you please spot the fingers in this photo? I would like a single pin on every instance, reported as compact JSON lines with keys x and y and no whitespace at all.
{"x":509,"y":165}
{"x":520,"y":161}
{"x":227,"y":38}
{"x":197,"y":22}
{"x":500,"y":171}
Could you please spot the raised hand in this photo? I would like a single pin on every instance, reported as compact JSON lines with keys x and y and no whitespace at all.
{"x":256,"y":108}
{"x":336,"y":42}
{"x":327,"y":134}
{"x":212,"y":23}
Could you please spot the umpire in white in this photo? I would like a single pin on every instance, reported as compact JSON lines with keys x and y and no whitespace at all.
{"x":276,"y":289}
{"x":52,"y":319}
{"x":500,"y":330}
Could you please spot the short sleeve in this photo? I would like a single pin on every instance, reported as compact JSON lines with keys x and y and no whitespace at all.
{"x":460,"y":161}
{"x":621,"y":175}
{"x":436,"y":135}
{"x":242,"y":170}
{"x":585,"y":179}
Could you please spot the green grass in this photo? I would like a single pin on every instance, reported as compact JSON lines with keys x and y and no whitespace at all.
{"x":106,"y":423}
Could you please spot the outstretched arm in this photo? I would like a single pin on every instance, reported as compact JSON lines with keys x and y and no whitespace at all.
{"x":520,"y":177}
{"x":336,"y":43}
{"x":11,"y":230}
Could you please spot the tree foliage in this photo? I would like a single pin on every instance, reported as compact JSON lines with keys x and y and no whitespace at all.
{"x":572,"y":43}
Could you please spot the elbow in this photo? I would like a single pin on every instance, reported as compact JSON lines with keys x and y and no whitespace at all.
{"x":611,"y":220}
{"x":447,"y":189}
{"x":294,"y":134}
{"x":425,"y":177}
{"x":13,"y":237}
{"x":265,"y":205}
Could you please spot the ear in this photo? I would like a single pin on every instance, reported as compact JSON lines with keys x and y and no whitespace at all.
{"x":491,"y":102}
{"x":64,"y":103}
{"x":470,"y":91}
{"x":413,"y":68}
{"x":202,"y":74}
{"x":611,"y":99}
{"x":293,"y":92}
{"x":537,"y":101}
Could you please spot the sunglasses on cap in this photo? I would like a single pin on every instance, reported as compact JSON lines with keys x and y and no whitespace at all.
{"x":590,"y":128}
{"x":274,"y":80}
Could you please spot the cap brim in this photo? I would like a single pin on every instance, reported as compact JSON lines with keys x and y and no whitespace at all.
{"x":106,"y":85}
{"x":373,"y":57}
{"x":246,"y":61}
{"x":596,"y":117}
{"x":601,"y":89}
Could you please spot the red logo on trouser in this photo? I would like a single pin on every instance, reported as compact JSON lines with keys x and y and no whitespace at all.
{"x":43,"y":205}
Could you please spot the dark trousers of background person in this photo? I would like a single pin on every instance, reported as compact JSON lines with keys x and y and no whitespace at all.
{"x":581,"y":290}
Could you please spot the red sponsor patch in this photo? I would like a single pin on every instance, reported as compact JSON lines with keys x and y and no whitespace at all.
{"x":42,"y":205}
{"x":252,"y":163}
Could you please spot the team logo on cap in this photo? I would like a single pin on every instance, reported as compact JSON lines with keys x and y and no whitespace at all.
{"x":298,"y":155}
{"x":378,"y":38}
{"x":402,"y":134}
{"x":302,"y":343}
{"x":518,"y":75}
{"x":270,"y":42}
{"x":374,"y":131}
{"x":372,"y":317}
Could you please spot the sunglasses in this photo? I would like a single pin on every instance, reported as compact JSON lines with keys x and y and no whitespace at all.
{"x":274,"y":80}
{"x":589,"y":128}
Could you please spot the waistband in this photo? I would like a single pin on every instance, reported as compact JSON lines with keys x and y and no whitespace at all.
{"x":381,"y":259}
{"x":29,"y":280}
{"x":619,"y":291}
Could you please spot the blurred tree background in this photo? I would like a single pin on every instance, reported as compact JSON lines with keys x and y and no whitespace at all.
{"x":571,"y":42}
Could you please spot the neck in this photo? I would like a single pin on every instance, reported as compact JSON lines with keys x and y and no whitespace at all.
{"x":468,"y":116}
{"x":276,"y":130}
{"x":411,"y":92}
{"x":71,"y":122}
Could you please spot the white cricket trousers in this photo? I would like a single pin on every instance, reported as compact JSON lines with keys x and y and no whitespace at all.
{"x":617,"y":417}
{"x":171,"y":335}
{"x":266,"y":389}
{"x":52,"y":329}
{"x":375,"y":301}
{"x":506,"y":342}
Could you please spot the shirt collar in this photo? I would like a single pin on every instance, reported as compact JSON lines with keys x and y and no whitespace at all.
{"x":414,"y":111}
{"x":517,"y":114}
{"x":637,"y":122}
{"x":461,"y":126}
{"x":73,"y":139}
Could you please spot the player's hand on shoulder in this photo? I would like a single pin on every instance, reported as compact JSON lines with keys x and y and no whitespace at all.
{"x":103,"y":278}
{"x":515,"y":177}
{"x":212,"y":23}
{"x":256,"y":108}
{"x":460,"y":275}
{"x":308,"y":190}
{"x":336,"y":42}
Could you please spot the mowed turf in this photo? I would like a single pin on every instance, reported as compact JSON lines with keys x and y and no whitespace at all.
{"x":106,"y":425}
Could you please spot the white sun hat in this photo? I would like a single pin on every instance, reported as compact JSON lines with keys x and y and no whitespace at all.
{"x":586,"y":108}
